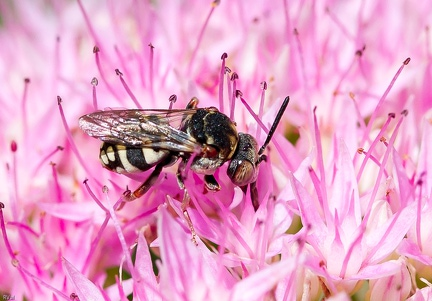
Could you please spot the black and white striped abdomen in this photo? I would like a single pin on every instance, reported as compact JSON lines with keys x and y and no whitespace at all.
{"x":124,"y":159}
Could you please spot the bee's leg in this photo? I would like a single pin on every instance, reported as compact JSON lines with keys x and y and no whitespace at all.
{"x":180,"y":173}
{"x":211,"y":183}
{"x":144,"y":187}
{"x":184,"y":206}
{"x":209,"y":180}
{"x":186,"y":198}
{"x":253,"y":194}
{"x":193,"y":103}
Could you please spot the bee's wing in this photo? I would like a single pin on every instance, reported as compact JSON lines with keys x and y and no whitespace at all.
{"x":160,"y":129}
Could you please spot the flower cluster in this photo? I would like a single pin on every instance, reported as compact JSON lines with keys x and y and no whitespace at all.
{"x":344,"y":194}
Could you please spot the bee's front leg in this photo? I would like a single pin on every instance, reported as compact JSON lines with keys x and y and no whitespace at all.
{"x":211,"y":183}
{"x":253,"y":193}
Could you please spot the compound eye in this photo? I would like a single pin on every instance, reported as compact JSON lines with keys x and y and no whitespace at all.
{"x":242,"y":172}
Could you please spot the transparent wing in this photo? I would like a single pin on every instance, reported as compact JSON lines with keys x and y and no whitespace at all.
{"x":158,"y":129}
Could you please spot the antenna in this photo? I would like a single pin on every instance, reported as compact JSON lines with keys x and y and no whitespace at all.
{"x":275,"y":124}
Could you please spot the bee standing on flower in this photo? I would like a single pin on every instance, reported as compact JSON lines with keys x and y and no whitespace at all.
{"x":204,"y":138}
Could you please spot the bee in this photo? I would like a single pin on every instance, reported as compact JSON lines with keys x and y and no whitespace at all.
{"x":203,"y":138}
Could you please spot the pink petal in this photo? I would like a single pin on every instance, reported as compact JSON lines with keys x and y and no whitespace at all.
{"x":385,"y":239}
{"x":187,"y":269}
{"x":344,"y":190}
{"x":70,"y":211}
{"x":425,"y":159}
{"x":84,"y":288}
{"x":258,"y":284}
{"x":147,"y":285}
{"x":411,"y":250}
{"x":311,"y":217}
{"x":405,"y":189}
{"x":384,"y":269}
{"x":424,"y":294}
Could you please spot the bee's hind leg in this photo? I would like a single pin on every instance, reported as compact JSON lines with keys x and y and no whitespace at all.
{"x":151,"y":180}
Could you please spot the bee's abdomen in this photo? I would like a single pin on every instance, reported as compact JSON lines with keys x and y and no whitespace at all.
{"x":123,"y":159}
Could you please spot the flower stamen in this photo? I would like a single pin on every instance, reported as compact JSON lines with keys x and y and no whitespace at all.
{"x":46,"y":158}
{"x":96,"y":52}
{"x":172,"y":100}
{"x":71,"y":140}
{"x":381,"y":101}
{"x":261,"y":107}
{"x":372,"y":147}
{"x":13,"y":170}
{"x":151,"y":71}
{"x":234,"y":78}
{"x":58,"y":190}
{"x":94,"y":83}
{"x":128,"y":90}
{"x":215,"y":3}
{"x":382,"y":170}
{"x":221,"y":81}
{"x":24,"y":106}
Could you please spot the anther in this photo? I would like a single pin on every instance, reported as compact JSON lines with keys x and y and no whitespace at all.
{"x":359,"y":52}
{"x":13,"y":146}
{"x":173,"y":98}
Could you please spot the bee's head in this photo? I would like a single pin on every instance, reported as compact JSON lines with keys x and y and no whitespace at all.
{"x":243,"y":168}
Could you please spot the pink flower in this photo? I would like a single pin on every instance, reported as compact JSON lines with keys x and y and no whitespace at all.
{"x":344,"y":196}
